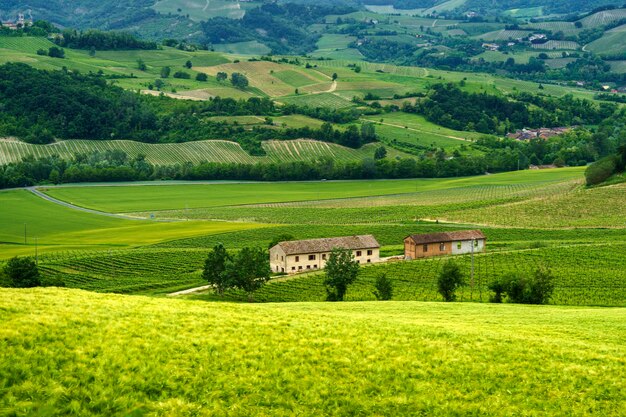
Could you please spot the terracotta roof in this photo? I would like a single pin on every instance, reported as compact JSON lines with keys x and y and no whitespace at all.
{"x":328,"y":244}
{"x":447,"y":236}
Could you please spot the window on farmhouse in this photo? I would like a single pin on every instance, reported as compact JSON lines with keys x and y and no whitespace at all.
{"x":308,"y":267}
{"x":297,"y":259}
{"x":315,"y":266}
{"x":442,"y":246}
{"x":458,"y":245}
{"x":425,"y":248}
{"x":476,"y":243}
{"x":293,"y":268}
{"x":324,"y":256}
{"x":311,"y":257}
{"x":369,"y":252}
{"x":358,"y":253}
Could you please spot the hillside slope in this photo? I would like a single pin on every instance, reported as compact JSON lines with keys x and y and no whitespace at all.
{"x":95,"y":355}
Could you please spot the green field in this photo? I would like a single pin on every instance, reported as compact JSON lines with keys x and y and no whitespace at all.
{"x":28,"y":221}
{"x":120,"y":199}
{"x":96,"y":354}
{"x":611,"y":43}
{"x":200,"y":10}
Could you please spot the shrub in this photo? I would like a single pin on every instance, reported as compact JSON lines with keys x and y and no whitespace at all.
{"x":201,"y":77}
{"x":523,"y":289}
{"x":449,"y":280}
{"x":22,"y":272}
{"x":182,"y":75}
{"x":384,"y":288}
{"x":600,"y":171}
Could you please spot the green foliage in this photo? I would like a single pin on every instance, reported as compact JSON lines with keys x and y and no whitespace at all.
{"x":182,"y":75}
{"x":188,"y":64}
{"x":449,"y":280}
{"x":380,"y":153}
{"x":283,"y":237}
{"x":248,"y":270}
{"x":340,"y":271}
{"x":201,"y":77}
{"x":165,"y":72}
{"x":384,"y":288}
{"x":601,"y":170}
{"x":141,"y":65}
{"x":102,"y":41}
{"x":221,"y":76}
{"x":523,"y":289}
{"x":215,"y":268}
{"x":239,"y":80}
{"x":22,"y":272}
{"x":54,"y":52}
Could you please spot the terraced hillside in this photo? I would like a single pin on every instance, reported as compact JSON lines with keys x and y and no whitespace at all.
{"x":202,"y":151}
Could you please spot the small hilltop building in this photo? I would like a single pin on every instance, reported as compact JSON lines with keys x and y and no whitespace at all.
{"x":304,"y":255}
{"x":445,"y":243}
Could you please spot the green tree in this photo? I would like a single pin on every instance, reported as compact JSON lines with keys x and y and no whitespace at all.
{"x":239,"y":80}
{"x":55,"y":52}
{"x":523,"y":289}
{"x":188,"y":64}
{"x":141,"y":65}
{"x":341,"y":271}
{"x":201,"y":76}
{"x":334,"y":76}
{"x":22,"y":272}
{"x":384,"y":288}
{"x":600,"y":171}
{"x":158,"y":83}
{"x":280,"y":238}
{"x":92,"y":51}
{"x":368,"y":132}
{"x":215,"y":269}
{"x":450,"y":278}
{"x":165,"y":72}
{"x":221,"y":76}
{"x":249,"y":270}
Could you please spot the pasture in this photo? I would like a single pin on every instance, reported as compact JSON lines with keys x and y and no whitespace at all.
{"x":105,"y":354}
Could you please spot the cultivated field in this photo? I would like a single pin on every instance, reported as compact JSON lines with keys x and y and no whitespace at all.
{"x":196,"y":152}
{"x":103,"y":354}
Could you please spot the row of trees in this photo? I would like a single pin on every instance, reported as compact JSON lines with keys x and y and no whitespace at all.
{"x":101,"y":41}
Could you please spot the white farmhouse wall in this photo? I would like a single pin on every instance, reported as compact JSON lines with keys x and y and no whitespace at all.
{"x":463,"y":247}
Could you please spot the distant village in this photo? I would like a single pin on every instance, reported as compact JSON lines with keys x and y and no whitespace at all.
{"x":541,"y":133}
{"x":19,"y":23}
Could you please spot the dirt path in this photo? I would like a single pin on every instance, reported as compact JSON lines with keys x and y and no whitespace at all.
{"x":422,"y":131}
{"x":190,"y":291}
{"x":86,"y":210}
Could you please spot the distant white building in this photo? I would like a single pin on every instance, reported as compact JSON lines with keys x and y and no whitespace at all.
{"x":305,"y":255}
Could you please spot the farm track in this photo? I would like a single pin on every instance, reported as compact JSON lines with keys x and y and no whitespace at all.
{"x":86,"y":210}
{"x":423,"y":131}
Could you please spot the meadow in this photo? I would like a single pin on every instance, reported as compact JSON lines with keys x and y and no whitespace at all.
{"x":103,"y":354}
{"x":120,"y":199}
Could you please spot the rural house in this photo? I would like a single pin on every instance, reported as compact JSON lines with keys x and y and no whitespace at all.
{"x":301,"y":255}
{"x":445,"y":243}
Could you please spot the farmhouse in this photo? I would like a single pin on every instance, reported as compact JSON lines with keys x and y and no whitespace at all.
{"x":445,"y":243}
{"x":301,"y":255}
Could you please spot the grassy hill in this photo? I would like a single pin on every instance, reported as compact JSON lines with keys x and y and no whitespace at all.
{"x":96,"y":354}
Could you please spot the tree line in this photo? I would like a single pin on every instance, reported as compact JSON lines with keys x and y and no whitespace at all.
{"x":101,"y":41}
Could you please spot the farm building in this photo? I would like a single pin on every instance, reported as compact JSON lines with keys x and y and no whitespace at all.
{"x":301,"y":255}
{"x":445,"y":243}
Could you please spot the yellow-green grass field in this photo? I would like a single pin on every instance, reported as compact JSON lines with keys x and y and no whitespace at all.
{"x":124,"y":199}
{"x":53,"y":228}
{"x":71,"y":352}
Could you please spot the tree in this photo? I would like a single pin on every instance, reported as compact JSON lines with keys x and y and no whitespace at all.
{"x":55,"y":52}
{"x":22,"y":272}
{"x":341,"y":271}
{"x":141,"y":65}
{"x":449,"y":280}
{"x":182,"y":75}
{"x":239,"y":80}
{"x":249,"y":270}
{"x":334,"y":76}
{"x":188,"y":64}
{"x":215,"y":267}
{"x":280,"y":238}
{"x":523,"y":289}
{"x":165,"y":72}
{"x":92,"y":51}
{"x":221,"y":76}
{"x":380,"y":152}
{"x":158,"y":83}
{"x":600,"y":170}
{"x":384,"y":288}
{"x":201,"y":76}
